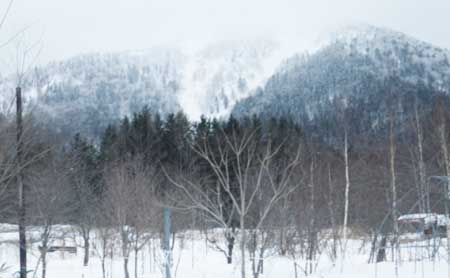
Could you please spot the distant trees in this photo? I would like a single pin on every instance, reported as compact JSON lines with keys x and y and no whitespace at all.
{"x":270,"y":185}
{"x":440,"y":119}
{"x":84,"y":178}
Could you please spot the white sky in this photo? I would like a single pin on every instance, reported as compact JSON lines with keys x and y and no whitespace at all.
{"x":70,"y":27}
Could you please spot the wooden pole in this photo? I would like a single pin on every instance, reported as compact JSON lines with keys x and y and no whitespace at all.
{"x":21,"y":188}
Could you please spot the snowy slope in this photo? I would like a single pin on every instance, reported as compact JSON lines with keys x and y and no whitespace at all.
{"x":396,"y":53}
{"x":357,"y":64}
{"x":218,"y":76}
{"x":89,"y":91}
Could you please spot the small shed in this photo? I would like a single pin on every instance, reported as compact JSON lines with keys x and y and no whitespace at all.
{"x":429,"y":224}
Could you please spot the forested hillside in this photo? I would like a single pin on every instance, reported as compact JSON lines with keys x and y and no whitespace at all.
{"x":361,"y":69}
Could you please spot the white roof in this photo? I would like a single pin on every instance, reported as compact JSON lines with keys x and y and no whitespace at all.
{"x":426,"y":218}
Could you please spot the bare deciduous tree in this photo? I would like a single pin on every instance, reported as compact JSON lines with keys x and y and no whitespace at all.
{"x":244,"y":169}
{"x":104,"y":236}
{"x":128,"y":201}
{"x":50,"y":203}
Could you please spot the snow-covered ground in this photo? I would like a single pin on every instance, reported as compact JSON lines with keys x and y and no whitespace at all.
{"x":193,"y":258}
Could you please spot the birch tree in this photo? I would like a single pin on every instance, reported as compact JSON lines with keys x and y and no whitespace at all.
{"x":393,"y":180}
{"x":242,"y":168}
{"x":424,"y":201}
{"x":341,"y":106}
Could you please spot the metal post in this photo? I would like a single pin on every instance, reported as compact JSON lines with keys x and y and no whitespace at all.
{"x":166,"y":240}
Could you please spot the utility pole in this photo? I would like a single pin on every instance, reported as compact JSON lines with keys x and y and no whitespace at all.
{"x":166,"y":241}
{"x":21,"y":188}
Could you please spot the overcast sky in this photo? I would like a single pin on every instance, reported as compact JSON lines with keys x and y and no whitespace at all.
{"x":69,"y":27}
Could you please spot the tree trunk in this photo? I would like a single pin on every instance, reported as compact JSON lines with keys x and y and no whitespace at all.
{"x":257,"y":254}
{"x":381,"y":254}
{"x":136,"y":251}
{"x":311,"y":241}
{"x":295,"y":270}
{"x":261,"y":262}
{"x":103,"y":267}
{"x":252,"y":252}
{"x":392,"y":152}
{"x":346,"y":198}
{"x":332,"y":214}
{"x":44,"y":252}
{"x":230,"y":240}
{"x":243,"y":240}
{"x":125,"y":253}
{"x":125,"y":267}
{"x":443,"y":142}
{"x":44,"y":262}
{"x":86,"y":250}
{"x":424,"y":198}
{"x":283,"y":248}
{"x":347,"y":189}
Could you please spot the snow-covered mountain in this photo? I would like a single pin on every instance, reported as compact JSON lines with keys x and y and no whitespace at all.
{"x":257,"y":76}
{"x":395,"y":53}
{"x":89,"y":91}
{"x":359,"y":66}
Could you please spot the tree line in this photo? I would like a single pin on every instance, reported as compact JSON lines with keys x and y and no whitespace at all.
{"x":269,"y":185}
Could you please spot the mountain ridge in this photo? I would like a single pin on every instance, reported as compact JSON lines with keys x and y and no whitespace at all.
{"x":353,"y":69}
{"x":254,"y":76}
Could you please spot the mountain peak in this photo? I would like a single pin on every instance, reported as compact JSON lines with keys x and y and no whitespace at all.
{"x":363,"y":36}
{"x":366,"y":31}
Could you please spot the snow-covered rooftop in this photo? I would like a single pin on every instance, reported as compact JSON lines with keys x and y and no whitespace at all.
{"x":426,"y":218}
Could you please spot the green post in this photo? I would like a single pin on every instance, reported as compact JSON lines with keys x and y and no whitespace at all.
{"x":166,"y":240}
